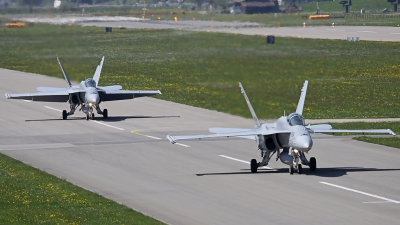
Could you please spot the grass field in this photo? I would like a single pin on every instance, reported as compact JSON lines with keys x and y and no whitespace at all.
{"x":31,"y":196}
{"x":346,"y":79}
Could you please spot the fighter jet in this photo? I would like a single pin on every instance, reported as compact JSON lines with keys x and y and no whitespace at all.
{"x":288,"y":137}
{"x":87,"y":95}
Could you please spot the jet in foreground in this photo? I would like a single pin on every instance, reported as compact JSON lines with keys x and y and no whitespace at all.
{"x":88,"y":95}
{"x":288,"y":137}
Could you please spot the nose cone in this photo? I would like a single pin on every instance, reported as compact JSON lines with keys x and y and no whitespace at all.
{"x":304,"y":143}
{"x":92,"y":98}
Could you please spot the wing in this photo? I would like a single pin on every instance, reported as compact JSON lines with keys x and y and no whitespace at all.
{"x":383,"y":131}
{"x":327,"y":128}
{"x":114,"y":95}
{"x":54,"y":96}
{"x":233,"y":132}
{"x":61,"y":95}
{"x":300,"y":105}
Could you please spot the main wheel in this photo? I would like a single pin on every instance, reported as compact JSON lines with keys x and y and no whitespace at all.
{"x":87,"y":116}
{"x":105,"y":113}
{"x":313,"y":164}
{"x":253,"y":165}
{"x":64,"y":114}
{"x":291,"y":169}
{"x":299,"y":169}
{"x":92,"y":116}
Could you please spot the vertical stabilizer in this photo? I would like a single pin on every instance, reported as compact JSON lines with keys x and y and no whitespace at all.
{"x":97,"y":73}
{"x":300,"y":105}
{"x":65,"y":74}
{"x":249,"y":105}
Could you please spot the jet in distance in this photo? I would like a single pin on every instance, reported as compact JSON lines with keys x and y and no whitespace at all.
{"x":87,"y":95}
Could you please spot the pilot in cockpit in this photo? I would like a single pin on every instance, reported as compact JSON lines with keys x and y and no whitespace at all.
{"x":295,"y":119}
{"x":90,"y":83}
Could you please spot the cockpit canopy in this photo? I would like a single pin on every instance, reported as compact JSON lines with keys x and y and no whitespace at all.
{"x":295,"y":119}
{"x":90,"y":83}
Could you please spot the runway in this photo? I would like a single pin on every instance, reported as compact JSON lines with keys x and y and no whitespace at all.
{"x":126,"y":158}
{"x":363,"y":33}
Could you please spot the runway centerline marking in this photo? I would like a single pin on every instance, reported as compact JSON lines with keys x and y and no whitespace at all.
{"x":239,"y":160}
{"x":394,"y":33}
{"x":187,"y":146}
{"x":361,"y":192}
{"x":107,"y":125}
{"x":90,"y":120}
{"x":53,"y":109}
{"x":366,"y":31}
{"x":133,"y":132}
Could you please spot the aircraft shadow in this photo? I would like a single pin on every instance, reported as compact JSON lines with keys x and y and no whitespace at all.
{"x":321,"y":172}
{"x":109,"y":119}
{"x":122,"y":118}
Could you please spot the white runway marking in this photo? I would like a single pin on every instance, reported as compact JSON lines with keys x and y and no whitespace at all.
{"x":107,"y":125}
{"x":366,"y":31}
{"x":182,"y":145}
{"x":360,"y":192}
{"x":153,"y":137}
{"x":53,"y":109}
{"x":90,"y":120}
{"x":335,"y":29}
{"x":394,"y":33}
{"x":27,"y":100}
{"x":239,"y":160}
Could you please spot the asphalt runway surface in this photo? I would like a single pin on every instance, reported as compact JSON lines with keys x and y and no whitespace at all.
{"x":363,"y":33}
{"x":126,"y":158}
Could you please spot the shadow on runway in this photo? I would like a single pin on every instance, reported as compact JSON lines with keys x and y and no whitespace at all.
{"x":320,"y":172}
{"x":247,"y":171}
{"x":109,"y":119}
{"x":341,"y":171}
{"x":122,"y":118}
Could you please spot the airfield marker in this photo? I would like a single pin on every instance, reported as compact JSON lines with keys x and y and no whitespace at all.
{"x":360,"y":192}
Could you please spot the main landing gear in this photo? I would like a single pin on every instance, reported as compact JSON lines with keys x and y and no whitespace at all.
{"x":89,"y":115}
{"x":72,"y":107}
{"x":287,"y":156}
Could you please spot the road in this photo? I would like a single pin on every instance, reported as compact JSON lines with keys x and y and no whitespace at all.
{"x":126,"y":158}
{"x":363,"y":33}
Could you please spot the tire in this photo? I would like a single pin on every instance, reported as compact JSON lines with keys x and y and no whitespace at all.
{"x":105,"y":113}
{"x":291,"y":170}
{"x":253,"y":165}
{"x":313,"y":164}
{"x":299,"y":169}
{"x":92,"y":116}
{"x":64,"y":114}
{"x":87,"y":116}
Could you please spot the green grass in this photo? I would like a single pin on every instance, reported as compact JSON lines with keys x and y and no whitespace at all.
{"x":386,"y":141}
{"x":347,"y":79}
{"x":31,"y":196}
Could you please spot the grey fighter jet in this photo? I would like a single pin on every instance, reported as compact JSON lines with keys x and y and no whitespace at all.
{"x":288,"y":137}
{"x":88,"y":95}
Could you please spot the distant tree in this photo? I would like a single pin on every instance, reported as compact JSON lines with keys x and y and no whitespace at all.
{"x":30,"y":3}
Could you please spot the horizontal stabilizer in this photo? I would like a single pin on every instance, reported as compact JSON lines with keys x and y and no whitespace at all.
{"x":49,"y":89}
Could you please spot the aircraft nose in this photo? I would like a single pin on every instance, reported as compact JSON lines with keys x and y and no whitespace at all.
{"x":304,"y":143}
{"x":93,"y":98}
